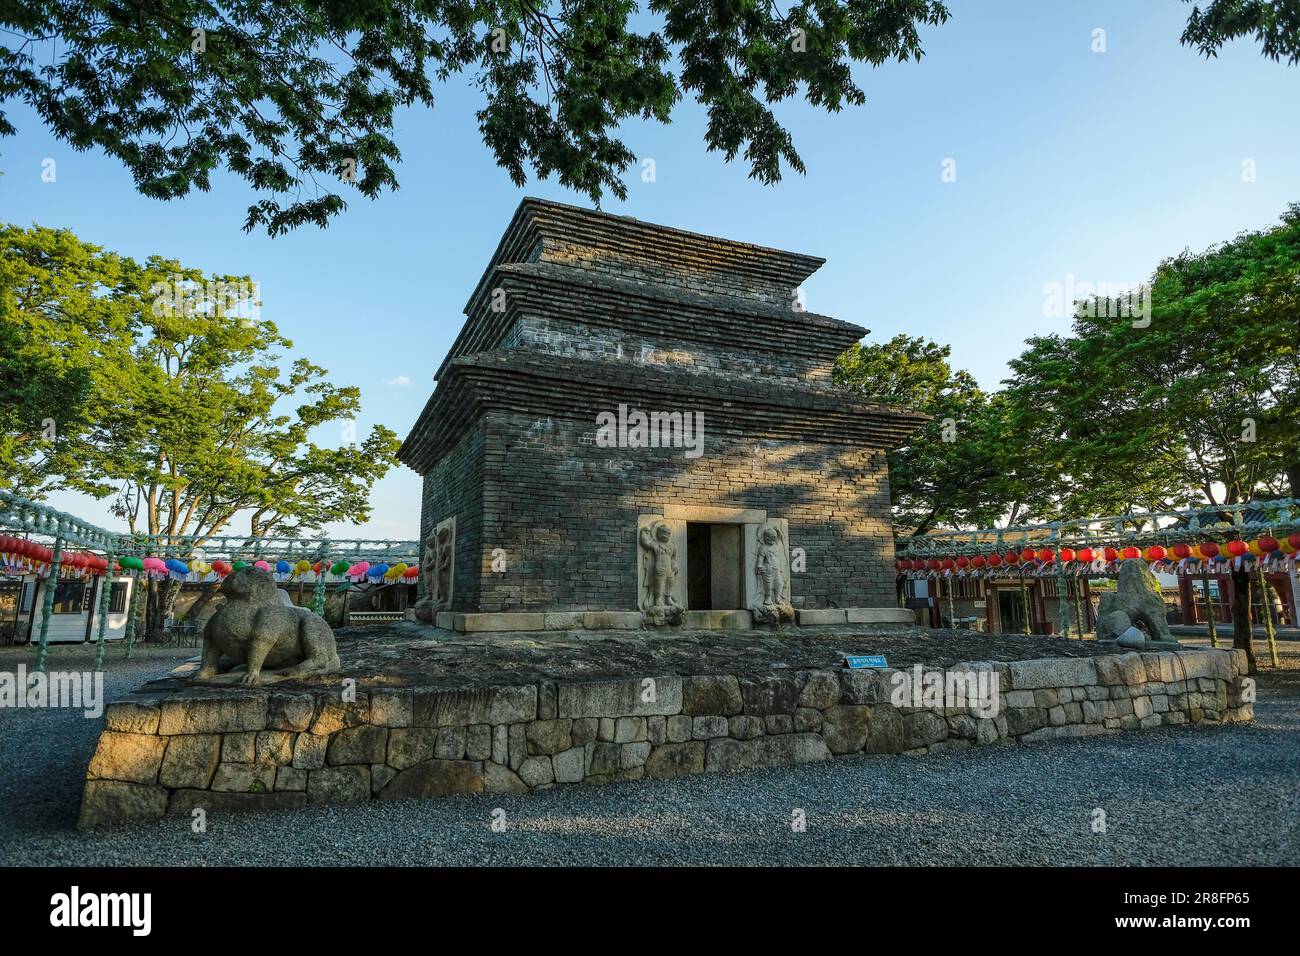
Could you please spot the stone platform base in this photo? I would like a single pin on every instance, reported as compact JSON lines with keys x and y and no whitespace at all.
{"x":1147,"y":646}
{"x":633,"y":620}
{"x":180,"y":748}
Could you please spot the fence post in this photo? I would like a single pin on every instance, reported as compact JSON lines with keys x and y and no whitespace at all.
{"x":47,"y":605}
{"x":106,"y":585}
{"x":1267,"y":613}
{"x":1062,"y":608}
{"x":132,"y":612}
{"x":1209,"y":607}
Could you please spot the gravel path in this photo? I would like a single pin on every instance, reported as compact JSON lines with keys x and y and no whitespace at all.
{"x":1205,"y":796}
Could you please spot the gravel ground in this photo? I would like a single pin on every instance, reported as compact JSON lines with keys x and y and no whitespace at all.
{"x":1202,"y":796}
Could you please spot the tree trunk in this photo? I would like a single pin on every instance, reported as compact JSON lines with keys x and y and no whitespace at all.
{"x":1293,"y":478}
{"x":162,"y":602}
{"x":1242,"y":626}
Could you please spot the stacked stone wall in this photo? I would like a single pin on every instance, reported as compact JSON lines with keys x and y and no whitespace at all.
{"x":262,"y":749}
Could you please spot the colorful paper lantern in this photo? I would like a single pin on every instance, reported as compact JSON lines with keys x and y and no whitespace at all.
{"x":1181,"y":551}
{"x":1046,"y":555}
{"x":1130,"y":553}
{"x":1236,"y":548}
{"x":1209,"y":549}
{"x":1155,"y":553}
{"x":1085,"y":555}
{"x":1067,"y":555}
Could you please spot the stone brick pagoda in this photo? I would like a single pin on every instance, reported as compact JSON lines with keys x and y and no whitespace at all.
{"x":636,"y":426}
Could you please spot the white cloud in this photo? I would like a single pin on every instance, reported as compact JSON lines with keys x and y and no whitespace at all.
{"x":401,"y":381}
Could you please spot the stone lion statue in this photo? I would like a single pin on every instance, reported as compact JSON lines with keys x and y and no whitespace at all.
{"x":1134,"y":613}
{"x":255,"y":630}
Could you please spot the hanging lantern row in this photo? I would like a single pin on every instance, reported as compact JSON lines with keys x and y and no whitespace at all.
{"x":24,"y":556}
{"x":1182,"y":556}
{"x":159,"y":569}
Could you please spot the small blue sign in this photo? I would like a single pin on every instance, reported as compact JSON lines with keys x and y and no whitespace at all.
{"x":865,"y":661}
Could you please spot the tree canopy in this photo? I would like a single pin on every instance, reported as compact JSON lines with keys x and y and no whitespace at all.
{"x":1197,"y":403}
{"x":168,"y":395}
{"x":964,"y":467}
{"x":1200,"y":405}
{"x":298,"y":97}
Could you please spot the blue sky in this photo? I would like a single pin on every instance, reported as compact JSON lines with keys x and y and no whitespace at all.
{"x":1068,"y":162}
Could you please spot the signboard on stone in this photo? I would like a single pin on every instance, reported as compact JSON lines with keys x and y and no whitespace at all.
{"x":865,"y":662}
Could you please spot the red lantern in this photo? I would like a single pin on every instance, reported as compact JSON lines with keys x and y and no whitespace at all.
{"x":934,"y":564}
{"x":1182,"y":551}
{"x":1155,"y":553}
{"x":1027,"y":554}
{"x":1110,"y":554}
{"x":1268,"y":544}
{"x":1294,"y":540}
{"x":1129,"y":553}
{"x":995,"y":560}
{"x":1011,"y":558}
{"x":1046,"y":555}
{"x":949,"y":564}
{"x":1067,"y":554}
{"x":1210,"y":549}
{"x":1085,"y":555}
{"x":963,"y":562}
{"x":977,"y":561}
{"x":1237,"y":548}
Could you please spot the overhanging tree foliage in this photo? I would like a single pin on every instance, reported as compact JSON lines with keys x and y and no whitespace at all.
{"x":298,"y":97}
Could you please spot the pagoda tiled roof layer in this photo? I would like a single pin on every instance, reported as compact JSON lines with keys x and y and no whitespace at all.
{"x":547,"y":231}
{"x":566,"y":293}
{"x":546,"y":385}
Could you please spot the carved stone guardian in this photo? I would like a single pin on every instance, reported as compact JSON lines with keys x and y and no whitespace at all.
{"x":771,"y":570}
{"x":437,"y":570}
{"x":659,"y":604}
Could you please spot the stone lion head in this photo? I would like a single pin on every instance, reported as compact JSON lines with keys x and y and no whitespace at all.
{"x":250,"y":584}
